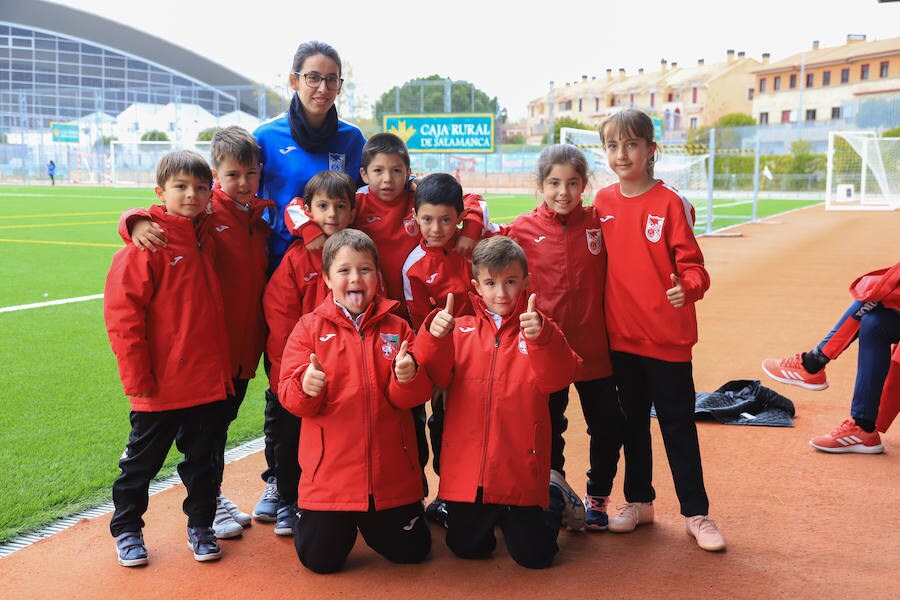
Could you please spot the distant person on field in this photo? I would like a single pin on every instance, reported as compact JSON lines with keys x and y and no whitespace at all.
{"x":348,"y":371}
{"x":166,"y":325}
{"x":241,"y":261}
{"x":51,"y":171}
{"x":655,"y":274}
{"x":498,"y":367}
{"x":874,"y":319}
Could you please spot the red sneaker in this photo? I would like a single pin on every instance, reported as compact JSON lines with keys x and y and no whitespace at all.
{"x":849,"y":437}
{"x":790,"y":371}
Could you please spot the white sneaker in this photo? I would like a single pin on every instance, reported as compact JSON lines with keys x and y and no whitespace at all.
{"x":573,"y":510}
{"x":236,"y":513}
{"x":630,"y":516}
{"x":224,"y":525}
{"x":706,"y":532}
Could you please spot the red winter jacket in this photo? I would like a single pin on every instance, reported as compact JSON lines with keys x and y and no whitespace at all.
{"x":567,"y":271}
{"x":648,"y":238}
{"x":429,"y":274}
{"x":163,"y":312}
{"x":358,"y":435}
{"x":497,"y":420}
{"x":241,"y":239}
{"x":391,"y":225}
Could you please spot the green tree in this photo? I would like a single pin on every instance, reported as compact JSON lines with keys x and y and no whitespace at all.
{"x":104,"y":142}
{"x":414,"y":97}
{"x":155,"y":136}
{"x":207,"y":134}
{"x":891,"y":133}
{"x":566,"y":122}
{"x":735,"y":120}
{"x":2,"y":138}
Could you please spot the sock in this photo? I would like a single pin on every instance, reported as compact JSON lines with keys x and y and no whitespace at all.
{"x":866,"y":425}
{"x":814,"y":361}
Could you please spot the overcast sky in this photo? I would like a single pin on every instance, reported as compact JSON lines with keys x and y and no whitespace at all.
{"x":507,"y":49}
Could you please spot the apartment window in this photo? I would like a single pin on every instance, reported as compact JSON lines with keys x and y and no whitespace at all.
{"x":835,"y":113}
{"x":826,"y":78}
{"x":785,"y":116}
{"x":811,"y":114}
{"x":579,"y":105}
{"x":864,"y":72}
{"x":793,"y":81}
{"x":669,"y":97}
{"x":596,"y":104}
{"x":762,"y":85}
{"x":763,"y":118}
{"x":845,"y":75}
{"x":810,"y":79}
{"x":693,"y":122}
{"x":776,"y":83}
{"x":652,"y":99}
{"x":750,"y":93}
{"x":694,"y":93}
{"x":630,"y":99}
{"x":883,"y":69}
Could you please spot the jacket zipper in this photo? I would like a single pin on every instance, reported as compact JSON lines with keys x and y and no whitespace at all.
{"x":487,"y":411}
{"x":365,"y":367}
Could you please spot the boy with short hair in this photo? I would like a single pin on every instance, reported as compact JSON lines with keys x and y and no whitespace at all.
{"x":241,"y":235}
{"x":296,"y":288}
{"x":164,"y":316}
{"x":496,"y":449}
{"x":348,"y":372}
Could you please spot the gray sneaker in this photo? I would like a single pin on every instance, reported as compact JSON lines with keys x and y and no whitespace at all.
{"x":267,"y":507}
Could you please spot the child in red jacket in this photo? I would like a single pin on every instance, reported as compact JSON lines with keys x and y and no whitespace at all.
{"x":348,"y":372}
{"x":498,"y":367}
{"x":241,"y":237}
{"x":164,"y":315}
{"x":296,"y":288}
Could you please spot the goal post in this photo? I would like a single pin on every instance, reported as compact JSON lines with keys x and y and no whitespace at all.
{"x":863,"y":171}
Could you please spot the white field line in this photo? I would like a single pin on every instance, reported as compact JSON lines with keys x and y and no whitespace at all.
{"x":4,"y":309}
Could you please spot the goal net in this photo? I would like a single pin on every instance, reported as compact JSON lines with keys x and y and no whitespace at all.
{"x":863,"y":172}
{"x":134,"y":163}
{"x":684,"y":171}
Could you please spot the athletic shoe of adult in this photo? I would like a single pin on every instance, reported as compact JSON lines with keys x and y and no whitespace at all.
{"x":573,"y":509}
{"x":436,"y":512}
{"x":849,"y":438}
{"x":267,"y":507}
{"x":706,"y":532}
{"x":596,"y":518}
{"x":284,"y":524}
{"x":224,"y":525}
{"x":791,"y":371}
{"x":630,"y":516}
{"x":236,"y":513}
{"x":130,"y":549}
{"x":202,"y":541}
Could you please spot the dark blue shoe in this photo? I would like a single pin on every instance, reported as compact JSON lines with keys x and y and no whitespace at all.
{"x":284,"y":523}
{"x":131,"y":549}
{"x":436,"y":512}
{"x":596,"y":518}
{"x":203,"y":542}
{"x":267,"y":507}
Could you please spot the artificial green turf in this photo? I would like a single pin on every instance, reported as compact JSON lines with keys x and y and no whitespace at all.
{"x":64,"y":418}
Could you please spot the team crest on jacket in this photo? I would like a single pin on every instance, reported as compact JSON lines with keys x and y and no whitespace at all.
{"x":653,"y":229}
{"x":390,"y":345}
{"x":594,"y":240}
{"x":336,"y":162}
{"x":523,"y":347}
{"x":410,"y":225}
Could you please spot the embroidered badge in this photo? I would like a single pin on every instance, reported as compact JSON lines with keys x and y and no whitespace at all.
{"x":336,"y":162}
{"x":411,"y":226}
{"x":390,"y":345}
{"x":653,"y":229}
{"x":594,"y":240}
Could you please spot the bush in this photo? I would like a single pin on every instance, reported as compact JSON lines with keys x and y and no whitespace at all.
{"x":155,"y":136}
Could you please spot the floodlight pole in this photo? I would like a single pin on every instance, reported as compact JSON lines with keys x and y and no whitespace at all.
{"x":551,"y":130}
{"x":711,"y":179}
{"x":755,"y":215}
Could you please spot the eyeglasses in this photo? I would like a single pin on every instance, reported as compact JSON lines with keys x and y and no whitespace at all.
{"x":314,"y":80}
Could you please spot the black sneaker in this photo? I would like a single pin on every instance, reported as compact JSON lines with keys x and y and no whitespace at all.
{"x":284,"y":523}
{"x":203,"y":542}
{"x":436,"y":512}
{"x":131,"y":550}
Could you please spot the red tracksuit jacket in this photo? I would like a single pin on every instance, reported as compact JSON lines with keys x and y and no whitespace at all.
{"x":648,"y":238}
{"x":358,"y":435}
{"x":164,"y":315}
{"x":429,"y":274}
{"x":497,"y":420}
{"x":567,"y":264}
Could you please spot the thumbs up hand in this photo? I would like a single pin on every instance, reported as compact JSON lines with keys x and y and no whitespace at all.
{"x":443,"y":322}
{"x":675,"y":294}
{"x":314,"y":377}
{"x":530,"y":320}
{"x":404,"y":365}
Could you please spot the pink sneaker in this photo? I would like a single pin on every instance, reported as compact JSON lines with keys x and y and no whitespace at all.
{"x":630,"y":516}
{"x":790,"y":371}
{"x":849,"y":437}
{"x":706,"y":532}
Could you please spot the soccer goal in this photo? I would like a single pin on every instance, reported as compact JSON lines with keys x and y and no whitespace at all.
{"x":863,"y":172}
{"x":134,"y":163}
